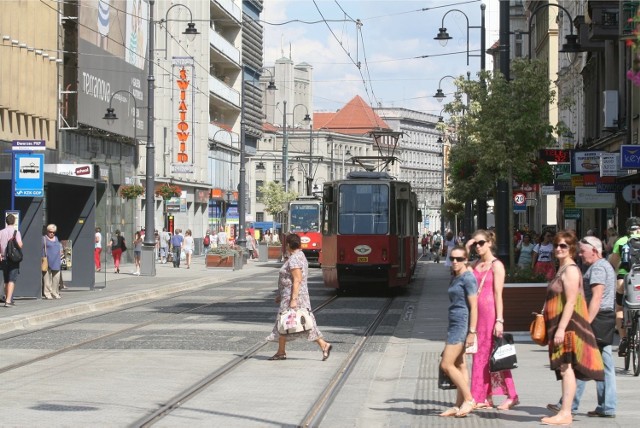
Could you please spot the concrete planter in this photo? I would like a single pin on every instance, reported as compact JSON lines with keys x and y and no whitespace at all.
{"x":218,"y":261}
{"x":520,"y":300}
{"x":274,"y":253}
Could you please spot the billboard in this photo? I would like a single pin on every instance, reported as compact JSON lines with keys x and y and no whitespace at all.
{"x":112,"y":49}
{"x":183,"y":114}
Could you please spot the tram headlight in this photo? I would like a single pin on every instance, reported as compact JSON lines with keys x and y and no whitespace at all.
{"x":384,"y":254}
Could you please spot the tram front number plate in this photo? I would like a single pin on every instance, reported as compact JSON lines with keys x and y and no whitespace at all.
{"x":363,"y":259}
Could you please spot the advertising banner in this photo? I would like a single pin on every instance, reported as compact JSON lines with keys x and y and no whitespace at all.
{"x":586,"y":162}
{"x":588,"y":197}
{"x":630,"y":157}
{"x":112,"y":57}
{"x":183,"y":111}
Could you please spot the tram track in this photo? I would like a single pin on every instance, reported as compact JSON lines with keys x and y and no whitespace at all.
{"x":111,"y":334}
{"x":321,"y":405}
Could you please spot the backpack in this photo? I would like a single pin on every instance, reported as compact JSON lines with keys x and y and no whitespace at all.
{"x":630,"y":253}
{"x":13,"y":252}
{"x":206,"y":241}
{"x":437,"y":240}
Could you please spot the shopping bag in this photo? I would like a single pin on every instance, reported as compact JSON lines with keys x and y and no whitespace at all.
{"x":294,"y":321}
{"x":503,"y":356}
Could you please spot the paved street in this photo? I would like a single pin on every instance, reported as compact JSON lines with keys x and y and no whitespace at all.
{"x":393,"y":384}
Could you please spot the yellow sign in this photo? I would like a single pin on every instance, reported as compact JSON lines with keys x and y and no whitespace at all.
{"x":363,"y":259}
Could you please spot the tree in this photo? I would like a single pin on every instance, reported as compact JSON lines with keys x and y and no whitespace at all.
{"x":274,"y":198}
{"x":501,"y":130}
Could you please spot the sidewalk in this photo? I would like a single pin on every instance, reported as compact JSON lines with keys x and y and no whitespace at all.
{"x":112,"y":290}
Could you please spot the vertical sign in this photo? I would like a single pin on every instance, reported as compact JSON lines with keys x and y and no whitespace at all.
{"x":184,"y":112}
{"x":28,"y":171}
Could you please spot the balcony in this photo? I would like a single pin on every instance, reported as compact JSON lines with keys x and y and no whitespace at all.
{"x":231,"y":8}
{"x":224,"y":91}
{"x":224,"y":47}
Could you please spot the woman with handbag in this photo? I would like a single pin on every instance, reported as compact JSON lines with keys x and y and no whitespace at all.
{"x":490,"y":273}
{"x":461,"y":333}
{"x":293,"y":293}
{"x":573,"y":351}
{"x":52,"y":250}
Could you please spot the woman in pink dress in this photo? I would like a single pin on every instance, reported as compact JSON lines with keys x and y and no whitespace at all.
{"x":490,"y":273}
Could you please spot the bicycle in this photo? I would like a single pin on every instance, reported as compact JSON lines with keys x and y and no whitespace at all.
{"x":633,"y":341}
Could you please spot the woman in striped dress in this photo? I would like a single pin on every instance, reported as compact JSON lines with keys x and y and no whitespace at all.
{"x":573,"y":351}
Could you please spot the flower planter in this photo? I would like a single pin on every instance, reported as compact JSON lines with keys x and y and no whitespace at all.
{"x":274,"y":253}
{"x":215,"y":261}
{"x":520,"y":300}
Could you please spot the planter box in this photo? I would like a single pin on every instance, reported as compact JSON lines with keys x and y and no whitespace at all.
{"x":520,"y":300}
{"x":274,"y":253}
{"x":214,"y":261}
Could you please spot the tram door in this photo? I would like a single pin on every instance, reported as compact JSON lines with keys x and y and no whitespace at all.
{"x":403,"y":222}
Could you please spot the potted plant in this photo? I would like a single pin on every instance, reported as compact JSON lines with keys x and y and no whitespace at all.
{"x":131,"y":192}
{"x":274,"y":250}
{"x":167,"y":191}
{"x":524,"y":292}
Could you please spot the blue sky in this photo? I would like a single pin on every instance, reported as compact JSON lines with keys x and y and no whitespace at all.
{"x":394,"y":32}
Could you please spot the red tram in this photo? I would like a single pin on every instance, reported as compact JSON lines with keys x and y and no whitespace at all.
{"x":304,"y":221}
{"x":369,"y":231}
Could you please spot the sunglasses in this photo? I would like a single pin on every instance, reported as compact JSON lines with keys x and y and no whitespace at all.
{"x":480,"y":243}
{"x":561,"y":245}
{"x":584,"y":241}
{"x":457,"y":259}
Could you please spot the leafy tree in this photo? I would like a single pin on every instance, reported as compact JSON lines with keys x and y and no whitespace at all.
{"x":500,"y":130}
{"x":275,"y":199}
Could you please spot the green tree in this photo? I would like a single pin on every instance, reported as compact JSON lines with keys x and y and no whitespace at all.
{"x":275,"y":199}
{"x":500,"y":130}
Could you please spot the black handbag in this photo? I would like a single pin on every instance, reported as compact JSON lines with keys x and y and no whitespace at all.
{"x":503,"y":356}
{"x":604,"y":326}
{"x":443,"y":380}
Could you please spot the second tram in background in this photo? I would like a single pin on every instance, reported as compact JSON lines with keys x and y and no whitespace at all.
{"x":369,"y":231}
{"x":304,"y":221}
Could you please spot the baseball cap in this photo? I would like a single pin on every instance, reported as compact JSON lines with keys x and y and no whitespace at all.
{"x":633,"y":223}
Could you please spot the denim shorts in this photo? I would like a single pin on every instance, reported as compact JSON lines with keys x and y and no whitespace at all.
{"x":10,"y":273}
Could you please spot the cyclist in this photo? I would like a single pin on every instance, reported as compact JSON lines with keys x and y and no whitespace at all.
{"x":633,"y":228}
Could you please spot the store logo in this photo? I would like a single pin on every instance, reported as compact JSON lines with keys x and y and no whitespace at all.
{"x":629,"y":157}
{"x":362,"y":250}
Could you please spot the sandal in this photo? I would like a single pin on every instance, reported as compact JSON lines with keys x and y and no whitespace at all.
{"x":278,"y":357}
{"x":509,"y":403}
{"x":466,"y":408}
{"x":486,"y":404}
{"x":451,"y":411}
{"x":326,"y":351}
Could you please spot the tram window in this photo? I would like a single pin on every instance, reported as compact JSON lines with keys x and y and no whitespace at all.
{"x":363,"y":209}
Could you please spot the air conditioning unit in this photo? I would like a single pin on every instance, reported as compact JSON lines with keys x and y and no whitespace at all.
{"x":610,"y":109}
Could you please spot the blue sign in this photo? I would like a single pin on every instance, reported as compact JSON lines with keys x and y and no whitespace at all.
{"x":28,"y":175}
{"x":629,"y":157}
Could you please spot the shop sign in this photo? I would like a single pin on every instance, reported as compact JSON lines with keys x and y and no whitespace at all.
{"x":549,"y":190}
{"x":630,"y":157}
{"x":631,"y":193}
{"x":572,"y":213}
{"x":569,"y":201}
{"x":610,"y":165}
{"x":586,"y":162}
{"x":556,"y":155}
{"x":609,"y":187}
{"x":563,"y":185}
{"x":588,"y":197}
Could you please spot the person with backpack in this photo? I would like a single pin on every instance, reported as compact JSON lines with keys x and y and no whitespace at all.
{"x":619,"y":261}
{"x":206,"y":241}
{"x":9,"y":239}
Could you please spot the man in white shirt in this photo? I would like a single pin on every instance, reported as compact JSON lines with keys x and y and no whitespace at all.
{"x":222,"y":237}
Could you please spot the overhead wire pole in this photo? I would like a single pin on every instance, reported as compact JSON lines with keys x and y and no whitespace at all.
{"x":242,"y":239}
{"x":285,"y":146}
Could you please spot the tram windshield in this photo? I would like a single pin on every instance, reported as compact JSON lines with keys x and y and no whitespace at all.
{"x":304,"y":217}
{"x":363,"y":209}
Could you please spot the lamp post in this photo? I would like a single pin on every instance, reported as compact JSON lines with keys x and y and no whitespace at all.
{"x":441,"y":141}
{"x":443,"y":37}
{"x":285,"y":141}
{"x":439,"y":96}
{"x":572,"y":45}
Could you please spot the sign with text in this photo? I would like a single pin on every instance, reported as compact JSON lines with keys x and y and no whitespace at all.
{"x":586,"y":162}
{"x":519,"y":202}
{"x":28,"y":173}
{"x":630,"y":157}
{"x":588,"y":197}
{"x":28,"y":145}
{"x":555,"y":155}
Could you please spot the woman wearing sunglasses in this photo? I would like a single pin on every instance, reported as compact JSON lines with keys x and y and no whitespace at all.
{"x":573,"y":351}
{"x":463,"y":314}
{"x":489,"y":272}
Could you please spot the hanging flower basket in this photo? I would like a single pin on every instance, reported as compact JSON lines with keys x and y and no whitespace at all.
{"x":633,"y":42}
{"x":131,"y":192}
{"x":168,"y":191}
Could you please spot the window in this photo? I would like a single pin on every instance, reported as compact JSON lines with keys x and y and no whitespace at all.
{"x":259,"y":184}
{"x":259,"y":216}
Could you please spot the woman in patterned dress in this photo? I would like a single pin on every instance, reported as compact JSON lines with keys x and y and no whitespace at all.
{"x":489,"y":273}
{"x":293,"y":293}
{"x":573,"y":351}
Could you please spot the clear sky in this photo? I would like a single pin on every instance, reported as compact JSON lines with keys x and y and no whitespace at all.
{"x":392,"y":35}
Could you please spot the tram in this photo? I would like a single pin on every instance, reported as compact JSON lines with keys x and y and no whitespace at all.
{"x":304,"y":221}
{"x":369,"y":231}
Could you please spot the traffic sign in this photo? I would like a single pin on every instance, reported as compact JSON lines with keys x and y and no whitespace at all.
{"x":28,"y":175}
{"x":519,"y":201}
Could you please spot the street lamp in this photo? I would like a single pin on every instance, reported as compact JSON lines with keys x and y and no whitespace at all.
{"x":443,"y":37}
{"x":439,"y":94}
{"x":191,"y":32}
{"x":285,"y":141}
{"x":572,"y":45}
{"x":441,"y":141}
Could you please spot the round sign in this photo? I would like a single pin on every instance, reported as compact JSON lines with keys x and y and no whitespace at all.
{"x":519,"y":198}
{"x":631,"y":193}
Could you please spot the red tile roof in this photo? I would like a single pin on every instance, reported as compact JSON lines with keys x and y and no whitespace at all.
{"x":355,"y":118}
{"x":269,"y":127}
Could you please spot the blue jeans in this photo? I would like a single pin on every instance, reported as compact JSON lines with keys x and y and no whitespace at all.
{"x":606,"y":391}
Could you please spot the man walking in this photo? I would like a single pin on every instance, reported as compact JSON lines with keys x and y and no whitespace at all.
{"x":10,"y":270}
{"x":176,"y":244}
{"x":599,"y":290}
{"x":164,"y":245}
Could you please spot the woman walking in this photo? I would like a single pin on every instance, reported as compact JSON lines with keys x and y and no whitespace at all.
{"x":490,"y":273}
{"x":463,"y":317}
{"x":573,"y":351}
{"x":187,"y":246}
{"x":293,"y":293}
{"x":117,"y":247}
{"x":137,"y":252}
{"x":52,"y":250}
